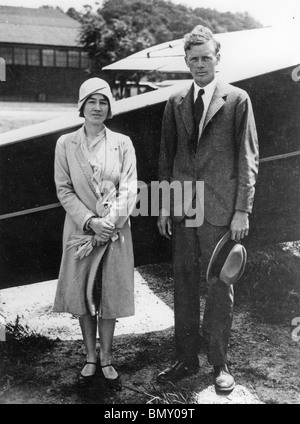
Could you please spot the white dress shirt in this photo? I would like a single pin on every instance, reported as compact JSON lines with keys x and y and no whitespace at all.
{"x":207,"y":96}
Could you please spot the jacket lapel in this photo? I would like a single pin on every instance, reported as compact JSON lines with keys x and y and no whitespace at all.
{"x":112,"y":155}
{"x":217,"y":102}
{"x":82,"y":161}
{"x":107,"y":187}
{"x":186,"y":109}
{"x":186,"y":105}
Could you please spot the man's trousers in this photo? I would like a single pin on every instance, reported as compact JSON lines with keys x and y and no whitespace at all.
{"x":192,"y":249}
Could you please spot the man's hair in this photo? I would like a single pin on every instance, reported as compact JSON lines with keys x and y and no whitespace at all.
{"x":200,"y":35}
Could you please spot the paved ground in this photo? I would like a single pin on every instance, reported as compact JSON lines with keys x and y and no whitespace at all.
{"x":33,"y":303}
{"x":15,"y":115}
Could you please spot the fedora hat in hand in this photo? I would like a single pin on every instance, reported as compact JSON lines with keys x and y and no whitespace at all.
{"x":227,"y":262}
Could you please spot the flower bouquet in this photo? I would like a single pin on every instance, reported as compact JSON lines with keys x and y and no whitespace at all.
{"x":83,"y":245}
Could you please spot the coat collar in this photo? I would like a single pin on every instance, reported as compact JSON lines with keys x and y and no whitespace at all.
{"x":187,"y":99}
{"x":186,"y":108}
{"x":217,"y":101}
{"x":112,"y":140}
{"x":112,"y":155}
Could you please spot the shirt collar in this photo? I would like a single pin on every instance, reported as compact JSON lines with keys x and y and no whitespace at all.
{"x":208,"y":89}
{"x":98,"y":137}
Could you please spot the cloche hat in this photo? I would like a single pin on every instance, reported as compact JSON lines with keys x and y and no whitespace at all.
{"x":95,"y":86}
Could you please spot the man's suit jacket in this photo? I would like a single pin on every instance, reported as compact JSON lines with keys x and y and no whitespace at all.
{"x":226,"y":158}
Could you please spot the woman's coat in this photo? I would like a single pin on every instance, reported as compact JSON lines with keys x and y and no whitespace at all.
{"x":78,"y":197}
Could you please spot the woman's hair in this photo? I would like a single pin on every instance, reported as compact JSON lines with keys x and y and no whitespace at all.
{"x":200,"y":35}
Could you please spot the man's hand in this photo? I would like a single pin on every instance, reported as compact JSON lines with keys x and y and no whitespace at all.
{"x":164,"y":225}
{"x":239,"y":225}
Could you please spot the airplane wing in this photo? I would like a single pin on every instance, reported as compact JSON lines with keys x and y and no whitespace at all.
{"x":244,"y":54}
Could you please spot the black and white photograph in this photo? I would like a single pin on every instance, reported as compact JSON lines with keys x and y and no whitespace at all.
{"x":150,"y":204}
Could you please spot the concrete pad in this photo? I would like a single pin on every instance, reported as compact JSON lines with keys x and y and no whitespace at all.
{"x":33,"y":304}
{"x":239,"y":395}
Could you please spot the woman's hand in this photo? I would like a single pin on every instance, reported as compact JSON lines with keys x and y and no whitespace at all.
{"x":102,"y":227}
{"x":99,"y":241}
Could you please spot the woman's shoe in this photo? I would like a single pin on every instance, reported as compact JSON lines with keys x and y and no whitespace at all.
{"x":111,"y":383}
{"x":85,"y":380}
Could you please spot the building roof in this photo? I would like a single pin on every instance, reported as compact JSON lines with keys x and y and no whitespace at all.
{"x":44,"y":26}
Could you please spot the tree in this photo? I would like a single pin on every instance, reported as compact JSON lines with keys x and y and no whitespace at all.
{"x":72,"y":13}
{"x":110,"y":40}
{"x":120,"y":28}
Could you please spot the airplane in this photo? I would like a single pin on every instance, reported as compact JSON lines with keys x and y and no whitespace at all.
{"x":264,"y":62}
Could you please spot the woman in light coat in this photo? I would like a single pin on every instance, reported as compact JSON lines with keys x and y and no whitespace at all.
{"x":96,"y":181}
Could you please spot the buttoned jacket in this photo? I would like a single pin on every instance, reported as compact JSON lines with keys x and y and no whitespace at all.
{"x":226,"y":157}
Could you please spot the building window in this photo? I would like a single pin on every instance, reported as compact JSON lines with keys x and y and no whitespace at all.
{"x":7,"y":54}
{"x":61,"y":58}
{"x":73,"y":59}
{"x":45,"y":57}
{"x":20,"y":56}
{"x":33,"y":57}
{"x":48,"y":57}
{"x":84,"y":63}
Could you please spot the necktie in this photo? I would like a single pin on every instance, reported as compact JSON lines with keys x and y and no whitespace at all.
{"x":198,"y":112}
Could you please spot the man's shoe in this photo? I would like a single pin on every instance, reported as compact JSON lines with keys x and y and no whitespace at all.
{"x":176,"y":372}
{"x":224,"y":381}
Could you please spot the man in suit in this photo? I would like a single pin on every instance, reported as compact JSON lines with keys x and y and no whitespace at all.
{"x":209,"y":135}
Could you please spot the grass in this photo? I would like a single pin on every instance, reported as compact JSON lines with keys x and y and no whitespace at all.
{"x":271,"y":283}
{"x":156,"y":396}
{"x":22,"y":340}
{"x":18,"y":355}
